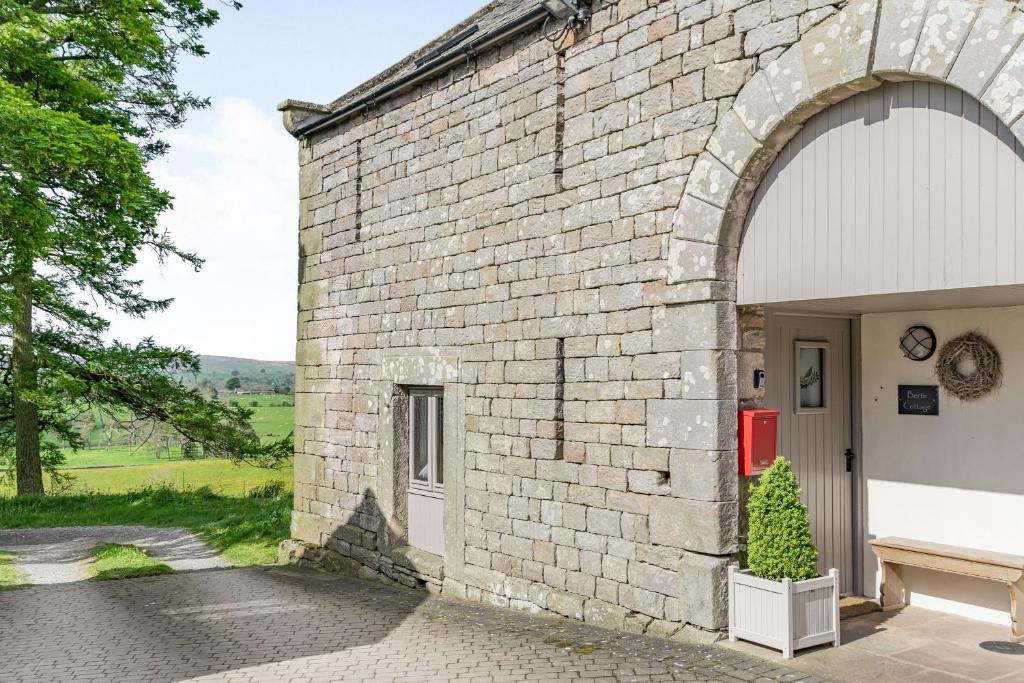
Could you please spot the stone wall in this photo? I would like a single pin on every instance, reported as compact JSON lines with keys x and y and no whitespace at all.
{"x":514,"y":215}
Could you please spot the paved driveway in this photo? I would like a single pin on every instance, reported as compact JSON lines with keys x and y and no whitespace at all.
{"x":61,"y":554}
{"x":283,"y":624}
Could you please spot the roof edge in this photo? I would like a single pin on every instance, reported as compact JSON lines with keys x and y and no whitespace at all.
{"x":305,"y":118}
{"x":294,"y":112}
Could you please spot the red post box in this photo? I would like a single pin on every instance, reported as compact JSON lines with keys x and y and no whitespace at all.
{"x":757,"y":440}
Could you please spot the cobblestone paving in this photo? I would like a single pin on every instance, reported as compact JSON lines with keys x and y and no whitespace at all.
{"x":283,"y":624}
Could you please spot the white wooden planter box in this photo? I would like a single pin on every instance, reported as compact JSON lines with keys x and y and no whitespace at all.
{"x":786,"y":615}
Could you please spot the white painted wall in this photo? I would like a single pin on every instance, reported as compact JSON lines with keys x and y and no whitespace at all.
{"x":957,"y":478}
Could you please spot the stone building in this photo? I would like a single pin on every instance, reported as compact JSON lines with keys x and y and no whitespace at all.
{"x":537,"y":280}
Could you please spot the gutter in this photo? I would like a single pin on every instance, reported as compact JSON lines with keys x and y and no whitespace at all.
{"x":317,"y":117}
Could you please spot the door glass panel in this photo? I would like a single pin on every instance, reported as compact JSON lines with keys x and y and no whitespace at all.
{"x":439,"y":430}
{"x":421,"y":439}
{"x":811,"y":376}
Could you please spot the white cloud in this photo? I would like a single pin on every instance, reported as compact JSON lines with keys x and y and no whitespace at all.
{"x":233,"y":174}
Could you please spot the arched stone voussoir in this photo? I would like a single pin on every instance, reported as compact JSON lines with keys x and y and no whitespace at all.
{"x":976,"y":45}
{"x":1005,"y":96}
{"x":997,"y":31}
{"x":922,"y":38}
{"x":689,"y":260}
{"x":711,"y":181}
{"x":837,"y":52}
{"x":943,"y":33}
{"x":829,"y":64}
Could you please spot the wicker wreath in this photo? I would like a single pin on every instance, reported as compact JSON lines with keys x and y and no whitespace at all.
{"x":988,"y":368}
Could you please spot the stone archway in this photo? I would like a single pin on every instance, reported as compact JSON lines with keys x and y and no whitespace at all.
{"x":972,"y":45}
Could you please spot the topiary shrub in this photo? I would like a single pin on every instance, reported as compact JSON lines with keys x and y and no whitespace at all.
{"x":779,"y":543}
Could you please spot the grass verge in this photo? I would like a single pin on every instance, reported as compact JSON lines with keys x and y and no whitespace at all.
{"x":116,"y":561}
{"x":10,"y":577}
{"x":246,"y":530}
{"x":222,"y":476}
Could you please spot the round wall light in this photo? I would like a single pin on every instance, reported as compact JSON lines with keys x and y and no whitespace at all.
{"x":918,"y":343}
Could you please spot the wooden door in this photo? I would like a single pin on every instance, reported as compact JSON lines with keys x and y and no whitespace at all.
{"x":808,"y":366}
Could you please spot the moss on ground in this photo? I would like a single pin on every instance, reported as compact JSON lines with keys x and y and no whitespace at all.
{"x":10,"y":577}
{"x":116,"y":561}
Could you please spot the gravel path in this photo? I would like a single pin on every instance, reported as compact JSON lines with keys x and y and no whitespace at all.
{"x":60,"y":554}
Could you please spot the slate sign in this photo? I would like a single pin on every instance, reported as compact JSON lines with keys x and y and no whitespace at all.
{"x":918,"y":399}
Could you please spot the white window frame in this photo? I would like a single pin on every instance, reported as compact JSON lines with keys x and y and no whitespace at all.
{"x":435,"y":422}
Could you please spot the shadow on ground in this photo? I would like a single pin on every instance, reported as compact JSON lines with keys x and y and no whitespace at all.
{"x":175,"y":627}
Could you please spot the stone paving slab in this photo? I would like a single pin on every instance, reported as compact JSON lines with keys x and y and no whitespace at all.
{"x":912,"y":644}
{"x":60,"y":554}
{"x":287,"y":624}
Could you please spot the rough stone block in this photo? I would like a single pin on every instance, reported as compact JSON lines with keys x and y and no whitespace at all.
{"x":703,"y":474}
{"x":691,"y":424}
{"x":651,"y":482}
{"x":944,"y":32}
{"x":708,"y":374}
{"x":700,"y":526}
{"x":313,"y":294}
{"x":698,"y":326}
{"x":643,"y":601}
{"x":704,"y":590}
{"x":310,"y":410}
{"x":566,"y":604}
{"x":311,"y":352}
{"x":757,"y":109}
{"x":732,"y":143}
{"x":1005,"y":96}
{"x":899,"y":26}
{"x":777,"y":34}
{"x":604,"y":614}
{"x":787,"y":79}
{"x":697,"y":220}
{"x":837,"y":51}
{"x":653,"y":578}
{"x":711,"y":181}
{"x":724,"y":80}
{"x":419,"y":561}
{"x":484,"y":579}
{"x":689,"y":261}
{"x":998,"y":29}
{"x":306,"y":527}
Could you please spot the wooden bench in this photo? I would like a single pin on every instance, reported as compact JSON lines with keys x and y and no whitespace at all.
{"x":895,"y":553}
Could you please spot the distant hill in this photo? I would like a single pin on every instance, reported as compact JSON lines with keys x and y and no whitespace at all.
{"x":254,"y":376}
{"x":227,"y":365}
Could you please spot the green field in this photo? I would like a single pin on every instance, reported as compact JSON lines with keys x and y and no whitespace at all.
{"x":273,"y":418}
{"x":117,"y":455}
{"x":221,"y":476}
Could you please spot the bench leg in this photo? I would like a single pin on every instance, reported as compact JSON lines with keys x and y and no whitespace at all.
{"x":1017,"y":609}
{"x":893,"y":591}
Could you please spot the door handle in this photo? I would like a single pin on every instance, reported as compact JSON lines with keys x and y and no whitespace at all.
{"x":849,"y":455}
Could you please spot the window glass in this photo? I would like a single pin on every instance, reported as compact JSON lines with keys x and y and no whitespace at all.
{"x":421,"y":439}
{"x":811,"y":374}
{"x":440,"y":440}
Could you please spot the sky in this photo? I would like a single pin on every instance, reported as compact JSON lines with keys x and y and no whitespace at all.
{"x":233,"y":169}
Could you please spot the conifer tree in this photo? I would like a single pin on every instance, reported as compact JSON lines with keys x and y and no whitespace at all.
{"x":86,"y":87}
{"x":779,"y":543}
